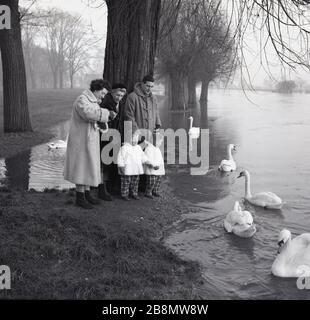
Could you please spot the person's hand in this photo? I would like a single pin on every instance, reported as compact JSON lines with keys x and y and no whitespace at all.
{"x":112,"y":115}
{"x":102,"y":125}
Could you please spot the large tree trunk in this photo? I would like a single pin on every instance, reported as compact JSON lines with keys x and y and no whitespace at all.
{"x":15,"y":101}
{"x":131,"y":40}
{"x":177,"y":91}
{"x":191,"y":86}
{"x":204,"y":90}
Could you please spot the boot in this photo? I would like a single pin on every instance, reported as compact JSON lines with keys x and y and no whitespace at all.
{"x":81,"y":201}
{"x":90,"y":199}
{"x":103,"y":192}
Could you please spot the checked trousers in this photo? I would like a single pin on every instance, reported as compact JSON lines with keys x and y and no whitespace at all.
{"x":129,"y":184}
{"x":152,"y":184}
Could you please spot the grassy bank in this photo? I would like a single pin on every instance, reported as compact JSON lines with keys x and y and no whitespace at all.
{"x":56,"y":250}
{"x":47,"y":108}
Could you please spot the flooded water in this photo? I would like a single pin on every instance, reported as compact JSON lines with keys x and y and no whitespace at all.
{"x":273,"y":139}
{"x":38,"y":168}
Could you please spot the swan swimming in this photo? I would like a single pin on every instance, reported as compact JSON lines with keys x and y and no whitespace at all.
{"x":239,"y":222}
{"x":194,"y":132}
{"x":267,"y":200}
{"x":57,"y":144}
{"x":230,"y":164}
{"x":293,"y":259}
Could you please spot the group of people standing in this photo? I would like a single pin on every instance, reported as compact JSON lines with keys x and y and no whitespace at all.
{"x":101,"y":108}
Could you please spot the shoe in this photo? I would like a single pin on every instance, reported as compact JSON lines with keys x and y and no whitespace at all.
{"x":157,"y":195}
{"x":90,"y":199}
{"x":136,"y":197}
{"x":103,"y":193}
{"x":81,"y":201}
{"x":126,"y":198}
{"x":148,"y":195}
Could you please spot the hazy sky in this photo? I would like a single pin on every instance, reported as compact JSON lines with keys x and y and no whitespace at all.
{"x":97,"y":17}
{"x":92,"y":14}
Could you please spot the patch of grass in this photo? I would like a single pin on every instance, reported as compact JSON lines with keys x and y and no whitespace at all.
{"x":58,"y":251}
{"x":47,"y":109}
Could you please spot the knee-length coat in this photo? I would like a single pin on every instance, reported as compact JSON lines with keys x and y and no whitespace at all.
{"x":82,"y":163}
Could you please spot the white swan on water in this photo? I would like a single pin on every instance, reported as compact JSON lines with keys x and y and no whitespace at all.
{"x":57,"y":144}
{"x":293,"y":259}
{"x":239,"y":222}
{"x":268,"y":200}
{"x":194,"y":132}
{"x":229,"y":164}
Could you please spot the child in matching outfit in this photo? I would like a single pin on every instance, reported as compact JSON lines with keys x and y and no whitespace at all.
{"x":153,"y":174}
{"x":130,"y":161}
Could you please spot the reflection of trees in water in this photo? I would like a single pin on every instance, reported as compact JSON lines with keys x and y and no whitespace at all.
{"x":17,"y":170}
{"x":222,"y":132}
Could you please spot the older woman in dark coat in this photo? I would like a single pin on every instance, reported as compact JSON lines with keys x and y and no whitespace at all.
{"x":114,"y":101}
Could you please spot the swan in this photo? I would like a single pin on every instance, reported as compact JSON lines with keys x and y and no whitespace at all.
{"x":293,"y":259}
{"x":268,"y":200}
{"x":239,"y":222}
{"x":194,"y":132}
{"x":230,"y":164}
{"x":57,"y":144}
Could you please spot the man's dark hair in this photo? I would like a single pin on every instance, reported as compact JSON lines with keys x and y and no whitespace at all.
{"x":118,"y":86}
{"x":99,"y":84}
{"x":148,"y":78}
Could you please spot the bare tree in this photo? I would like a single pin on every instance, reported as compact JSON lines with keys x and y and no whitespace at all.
{"x":15,"y":100}
{"x":271,"y":19}
{"x":79,"y":44}
{"x":29,"y":33}
{"x":198,"y":48}
{"x":281,"y":25}
{"x":55,"y":31}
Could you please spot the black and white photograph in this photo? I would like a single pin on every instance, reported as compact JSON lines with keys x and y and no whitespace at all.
{"x":154,"y":150}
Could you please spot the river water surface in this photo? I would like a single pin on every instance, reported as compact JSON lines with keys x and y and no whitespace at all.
{"x":273,"y":141}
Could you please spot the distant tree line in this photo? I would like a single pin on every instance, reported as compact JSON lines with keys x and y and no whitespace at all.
{"x":198,"y":49}
{"x":127,"y":58}
{"x":58,"y":48}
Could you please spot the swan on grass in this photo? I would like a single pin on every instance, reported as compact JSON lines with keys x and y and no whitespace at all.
{"x":293,"y":259}
{"x":267,"y":200}
{"x":229,"y":164}
{"x":239,"y":222}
